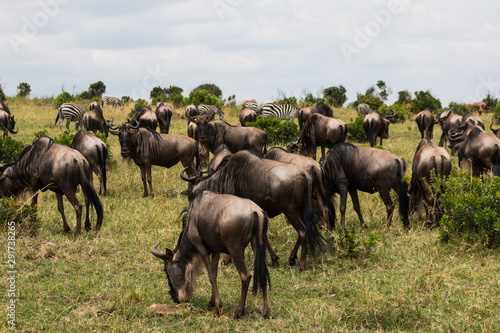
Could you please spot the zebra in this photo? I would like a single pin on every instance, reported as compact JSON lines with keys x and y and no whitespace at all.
{"x":70,"y":112}
{"x":111,"y":101}
{"x":253,"y":106}
{"x":210,"y":110}
{"x":280,"y":111}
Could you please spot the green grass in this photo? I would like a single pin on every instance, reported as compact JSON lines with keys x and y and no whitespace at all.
{"x":104,"y":281}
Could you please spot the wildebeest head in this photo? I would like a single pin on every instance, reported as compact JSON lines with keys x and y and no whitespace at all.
{"x":124,"y":131}
{"x":203,"y":130}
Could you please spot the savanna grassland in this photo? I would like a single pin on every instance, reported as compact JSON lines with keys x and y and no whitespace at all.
{"x":376,"y":279}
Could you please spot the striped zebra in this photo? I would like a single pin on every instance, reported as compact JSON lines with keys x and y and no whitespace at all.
{"x":253,"y":106}
{"x":210,"y":110}
{"x":280,"y":111}
{"x":107,"y":100}
{"x":70,"y":112}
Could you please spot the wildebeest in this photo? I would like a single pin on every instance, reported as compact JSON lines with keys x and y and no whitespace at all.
{"x":448,"y":119}
{"x":94,"y":121}
{"x":321,"y":201}
{"x":275,"y":186}
{"x":363,"y":109}
{"x":469,"y":117}
{"x":478,"y":148}
{"x":495,"y":131}
{"x":7,"y":123}
{"x":164,"y":115}
{"x":147,"y":147}
{"x":4,"y":107}
{"x":425,"y":122}
{"x":217,"y":132}
{"x":428,"y":159}
{"x":320,"y":131}
{"x":349,"y":168}
{"x":247,"y":115}
{"x":193,"y":132}
{"x":96,"y":153}
{"x":215,"y":224}
{"x":376,"y":125}
{"x":191,"y":111}
{"x":219,"y":155}
{"x":47,"y":165}
{"x":320,"y":108}
{"x":146,"y":118}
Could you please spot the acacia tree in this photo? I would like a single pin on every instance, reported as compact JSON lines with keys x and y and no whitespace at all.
{"x":24,"y":90}
{"x":335,"y":95}
{"x":97,"y":89}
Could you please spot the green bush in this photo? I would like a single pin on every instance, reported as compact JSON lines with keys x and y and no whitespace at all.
{"x":460,"y":107}
{"x":355,"y":131}
{"x":278,"y":132}
{"x":201,"y":96}
{"x":350,"y":245}
{"x":402,"y":113}
{"x":10,"y":149}
{"x":64,"y":97}
{"x":472,"y":210}
{"x":24,"y":216}
{"x":65,"y":138}
{"x":139,"y":104}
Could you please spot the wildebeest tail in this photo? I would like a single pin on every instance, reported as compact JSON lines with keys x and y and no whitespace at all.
{"x":326,"y":200}
{"x":404,"y":205}
{"x":312,"y":233}
{"x":89,"y":192}
{"x":421,"y":125}
{"x":260,"y":270}
{"x":496,"y":167}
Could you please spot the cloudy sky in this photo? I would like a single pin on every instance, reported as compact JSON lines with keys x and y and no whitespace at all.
{"x":252,"y":49}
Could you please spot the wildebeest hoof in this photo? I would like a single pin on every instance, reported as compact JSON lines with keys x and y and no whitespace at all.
{"x":291,"y":261}
{"x":237,"y":315}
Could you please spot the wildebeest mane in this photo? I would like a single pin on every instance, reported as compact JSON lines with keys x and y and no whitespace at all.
{"x":143,"y":145}
{"x":325,"y":109}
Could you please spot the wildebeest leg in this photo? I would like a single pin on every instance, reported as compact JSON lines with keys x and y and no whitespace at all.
{"x":389,"y":205}
{"x":343,"y":204}
{"x":293,"y":254}
{"x":214,"y":264}
{"x":274,"y":256}
{"x":245,"y":276}
{"x":60,"y":207}
{"x":357,"y":207}
{"x":78,"y":210}
{"x":146,"y":178}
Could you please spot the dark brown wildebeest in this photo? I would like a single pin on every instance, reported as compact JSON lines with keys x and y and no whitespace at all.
{"x":7,"y":123}
{"x":94,"y":121}
{"x":319,"y":131}
{"x":349,"y":168}
{"x":194,"y":133}
{"x":96,"y":153}
{"x":478,"y":148}
{"x":146,"y":118}
{"x":320,"y":108}
{"x":428,"y":159}
{"x":363,"y":109}
{"x":425,"y":122}
{"x":217,"y":132}
{"x":47,"y":165}
{"x":147,"y":147}
{"x":376,"y":125}
{"x":448,"y":120}
{"x":275,"y":186}
{"x":214,"y":224}
{"x":469,"y":117}
{"x":247,"y":115}
{"x":191,"y":112}
{"x":495,"y":131}
{"x":164,"y":115}
{"x":321,"y":201}
{"x":219,"y":156}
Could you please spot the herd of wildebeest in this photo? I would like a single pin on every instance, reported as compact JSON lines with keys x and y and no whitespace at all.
{"x":233,"y":194}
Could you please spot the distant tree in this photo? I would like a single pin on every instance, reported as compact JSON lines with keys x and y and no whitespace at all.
{"x":210,"y":88}
{"x":157,"y":93}
{"x":126,"y":99}
{"x":97,"y":89}
{"x":174,"y":95}
{"x":424,"y":99}
{"x":2,"y":95}
{"x":24,"y":90}
{"x":384,"y":91}
{"x":404,"y":97}
{"x":491,"y":102}
{"x":201,"y":96}
{"x":335,"y":95}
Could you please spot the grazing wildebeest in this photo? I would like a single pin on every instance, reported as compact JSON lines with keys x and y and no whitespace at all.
{"x":215,"y":224}
{"x":94,"y":121}
{"x":164,"y":114}
{"x":47,"y":165}
{"x":495,"y":131}
{"x":363,"y":109}
{"x":376,"y":125}
{"x":448,"y":120}
{"x":469,"y":117}
{"x":306,"y":112}
{"x":320,"y":131}
{"x":96,"y":153}
{"x":191,"y":111}
{"x":478,"y":148}
{"x":147,"y":147}
{"x":247,"y":115}
{"x":425,"y":122}
{"x":428,"y":159}
{"x":321,"y":201}
{"x":217,"y":132}
{"x":349,"y":168}
{"x":275,"y":186}
{"x":146,"y":118}
{"x":7,"y":123}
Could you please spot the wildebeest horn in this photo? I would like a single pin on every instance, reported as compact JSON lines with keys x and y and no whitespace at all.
{"x":187,"y":179}
{"x":164,"y":256}
{"x":114,"y":127}
{"x":133,"y":126}
{"x":494,"y":130}
{"x":390,"y":115}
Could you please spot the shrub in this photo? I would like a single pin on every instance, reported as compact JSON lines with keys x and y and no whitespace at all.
{"x":460,"y":107}
{"x":201,"y":96}
{"x":65,"y":138}
{"x":350,"y":245}
{"x":355,"y":131}
{"x":278,"y":132}
{"x":472,"y":210}
{"x":402,"y":113}
{"x":64,"y":97}
{"x":139,"y":104}
{"x":10,"y":149}
{"x":24,"y":216}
